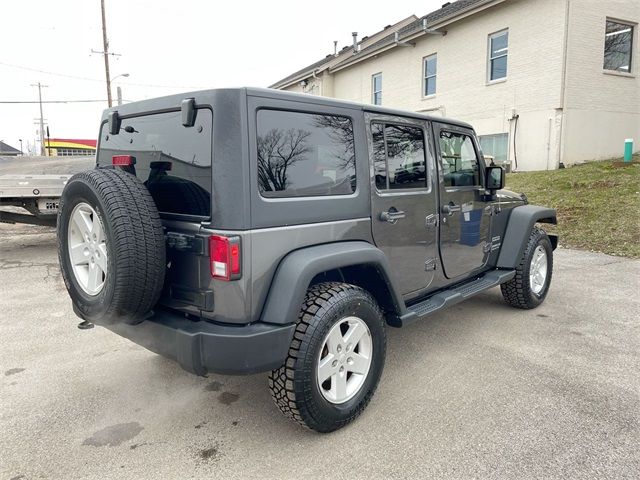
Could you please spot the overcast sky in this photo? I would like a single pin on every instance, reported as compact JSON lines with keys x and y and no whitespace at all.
{"x":166,"y":47}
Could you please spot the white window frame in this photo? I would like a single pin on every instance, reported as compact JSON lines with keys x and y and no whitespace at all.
{"x":426,"y":77}
{"x":490,"y":59}
{"x":373,"y":90}
{"x":634,"y":33}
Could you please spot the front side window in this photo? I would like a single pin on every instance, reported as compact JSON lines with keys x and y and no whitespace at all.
{"x":498,"y":50}
{"x":459,"y":160}
{"x":430,"y":71}
{"x":376,"y":89}
{"x":305,"y":154}
{"x":617,"y":46}
{"x":399,"y":156}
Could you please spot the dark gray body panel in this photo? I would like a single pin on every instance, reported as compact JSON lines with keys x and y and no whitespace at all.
{"x":521,"y":221}
{"x":298,"y":269}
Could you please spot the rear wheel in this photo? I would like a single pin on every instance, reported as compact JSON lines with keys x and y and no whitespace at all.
{"x":529,"y":287}
{"x":335,"y":359}
{"x":110,"y":246}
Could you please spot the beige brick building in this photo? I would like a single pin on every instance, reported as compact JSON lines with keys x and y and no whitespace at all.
{"x":543,"y":82}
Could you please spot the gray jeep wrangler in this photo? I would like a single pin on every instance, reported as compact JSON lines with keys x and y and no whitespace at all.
{"x":247,"y":230}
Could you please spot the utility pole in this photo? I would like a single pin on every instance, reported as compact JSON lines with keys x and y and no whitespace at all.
{"x":40,"y":87}
{"x":105,"y":47}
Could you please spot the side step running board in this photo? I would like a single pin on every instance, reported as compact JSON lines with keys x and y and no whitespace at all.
{"x":454,"y":295}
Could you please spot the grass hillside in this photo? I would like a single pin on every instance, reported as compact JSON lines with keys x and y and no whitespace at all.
{"x":598,"y":204}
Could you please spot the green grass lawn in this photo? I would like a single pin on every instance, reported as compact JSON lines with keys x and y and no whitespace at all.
{"x":598,"y":204}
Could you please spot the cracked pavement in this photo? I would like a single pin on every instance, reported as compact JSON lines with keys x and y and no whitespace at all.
{"x":478,"y":391}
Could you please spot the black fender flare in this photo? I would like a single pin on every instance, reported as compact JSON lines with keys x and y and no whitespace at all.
{"x":296,"y":271}
{"x":521,"y":221}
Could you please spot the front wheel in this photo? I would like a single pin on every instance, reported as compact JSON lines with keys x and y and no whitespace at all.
{"x":335,"y":359}
{"x":530,"y":286}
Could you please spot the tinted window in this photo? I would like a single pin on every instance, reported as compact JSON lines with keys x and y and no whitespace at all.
{"x":303,"y":154}
{"x":459,"y":160}
{"x":399,"y":156}
{"x":173,"y":161}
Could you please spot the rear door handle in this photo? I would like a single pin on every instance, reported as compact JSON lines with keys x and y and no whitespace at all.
{"x":392,"y":216}
{"x":450,"y":209}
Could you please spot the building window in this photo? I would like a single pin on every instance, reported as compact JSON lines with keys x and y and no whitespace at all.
{"x":496,"y":146}
{"x":399,"y":156}
{"x":305,"y":154}
{"x":430,"y":71}
{"x":376,"y":89}
{"x":498,"y":50}
{"x":618,"y":39}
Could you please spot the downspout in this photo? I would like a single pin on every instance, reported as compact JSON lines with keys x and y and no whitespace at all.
{"x":563,"y":85}
{"x":315,"y":77}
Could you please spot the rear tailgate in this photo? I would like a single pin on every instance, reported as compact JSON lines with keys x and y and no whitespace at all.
{"x":174,"y":162}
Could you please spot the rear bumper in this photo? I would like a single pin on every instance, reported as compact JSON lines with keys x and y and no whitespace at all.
{"x":202,"y":347}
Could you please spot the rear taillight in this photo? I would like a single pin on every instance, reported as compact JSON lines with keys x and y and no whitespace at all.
{"x":123,"y":160}
{"x":224,"y":255}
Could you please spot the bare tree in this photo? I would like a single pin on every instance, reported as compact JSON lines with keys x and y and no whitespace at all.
{"x":277,"y":151}
{"x":340,"y":130}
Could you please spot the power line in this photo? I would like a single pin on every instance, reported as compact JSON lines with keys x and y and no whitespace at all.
{"x":87,"y":79}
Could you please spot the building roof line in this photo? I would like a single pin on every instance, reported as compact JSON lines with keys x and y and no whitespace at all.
{"x":435,"y":20}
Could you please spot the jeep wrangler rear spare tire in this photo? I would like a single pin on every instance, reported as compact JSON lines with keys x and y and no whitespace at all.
{"x":529,"y":287}
{"x":335,"y":359}
{"x":110,"y":246}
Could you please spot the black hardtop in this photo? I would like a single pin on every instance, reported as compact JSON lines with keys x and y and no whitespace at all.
{"x":209,"y":97}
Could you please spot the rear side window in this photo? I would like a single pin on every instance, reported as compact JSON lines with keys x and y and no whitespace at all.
{"x":459,"y":160}
{"x":399,"y":156}
{"x":172,"y":160}
{"x":305,"y":154}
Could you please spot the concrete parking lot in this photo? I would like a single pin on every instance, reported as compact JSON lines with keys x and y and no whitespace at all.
{"x":481,"y":390}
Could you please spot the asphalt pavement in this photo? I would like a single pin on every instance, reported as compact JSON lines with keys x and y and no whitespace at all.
{"x":478,"y":391}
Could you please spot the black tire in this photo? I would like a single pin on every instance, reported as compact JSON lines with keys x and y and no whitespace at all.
{"x":294,"y":386}
{"x":517,"y":292}
{"x":194,"y":200}
{"x":134,"y":242}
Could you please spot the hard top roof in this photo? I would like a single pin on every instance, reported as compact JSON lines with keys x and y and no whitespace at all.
{"x":173,"y":102}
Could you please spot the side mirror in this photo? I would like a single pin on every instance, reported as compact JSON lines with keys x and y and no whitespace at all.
{"x":494,"y":178}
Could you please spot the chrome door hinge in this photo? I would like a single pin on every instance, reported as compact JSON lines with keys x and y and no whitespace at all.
{"x":431,"y":220}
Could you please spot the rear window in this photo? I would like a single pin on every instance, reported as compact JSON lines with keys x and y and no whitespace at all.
{"x":305,"y":154}
{"x":172,"y":160}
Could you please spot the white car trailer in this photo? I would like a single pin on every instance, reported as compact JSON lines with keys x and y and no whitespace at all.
{"x":37,"y":196}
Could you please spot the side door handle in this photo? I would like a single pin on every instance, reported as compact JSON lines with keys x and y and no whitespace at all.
{"x":392,"y":216}
{"x":450,"y":209}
